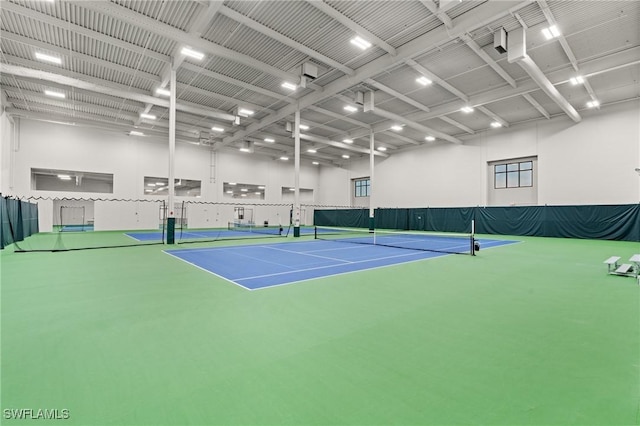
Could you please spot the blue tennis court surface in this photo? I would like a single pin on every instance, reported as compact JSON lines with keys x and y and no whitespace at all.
{"x":206,"y":234}
{"x":266,"y":265}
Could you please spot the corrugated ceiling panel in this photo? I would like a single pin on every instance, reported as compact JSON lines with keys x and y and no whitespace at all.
{"x":257,"y":45}
{"x":383,"y":19}
{"x":233,"y":69}
{"x":178,"y":14}
{"x":220,"y":29}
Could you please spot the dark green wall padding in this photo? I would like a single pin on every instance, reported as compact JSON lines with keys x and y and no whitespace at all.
{"x":602,"y":222}
{"x":18,"y":219}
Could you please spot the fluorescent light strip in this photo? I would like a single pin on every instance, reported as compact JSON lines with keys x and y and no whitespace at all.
{"x":396,"y":127}
{"x":217,"y":129}
{"x":55,"y":94}
{"x":593,"y":104}
{"x":345,"y":156}
{"x":430,"y":138}
{"x":424,"y":81}
{"x":551,"y":32}
{"x":496,"y":124}
{"x":347,"y":140}
{"x":312,"y":151}
{"x":243,"y":111}
{"x":148,"y":116}
{"x":270,"y":140}
{"x":350,"y":108}
{"x":192,"y":53}
{"x":136,"y":133}
{"x":382,"y":148}
{"x":284,"y":158}
{"x":466,"y":109}
{"x":289,"y":86}
{"x":304,"y":127}
{"x":361,"y":43}
{"x":163,"y":92}
{"x":48,"y":58}
{"x":576,"y":80}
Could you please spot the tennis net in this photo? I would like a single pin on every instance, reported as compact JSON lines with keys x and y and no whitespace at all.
{"x":452,"y":243}
{"x":256,"y":229}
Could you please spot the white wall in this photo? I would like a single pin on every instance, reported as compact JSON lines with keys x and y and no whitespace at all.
{"x":129,"y":159}
{"x":590,"y":162}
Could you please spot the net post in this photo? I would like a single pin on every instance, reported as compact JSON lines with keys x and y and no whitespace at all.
{"x":315,"y":232}
{"x":473,"y":238}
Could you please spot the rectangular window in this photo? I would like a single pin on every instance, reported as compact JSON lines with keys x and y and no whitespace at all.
{"x":513,"y":175}
{"x":181,"y":187}
{"x":71,"y":181}
{"x":362,"y":187}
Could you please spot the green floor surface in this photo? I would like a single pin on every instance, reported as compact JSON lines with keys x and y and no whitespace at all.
{"x":534,"y":333}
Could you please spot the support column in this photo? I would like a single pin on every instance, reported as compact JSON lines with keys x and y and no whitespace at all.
{"x":171,"y":220}
{"x":372,"y":209}
{"x":296,"y":155}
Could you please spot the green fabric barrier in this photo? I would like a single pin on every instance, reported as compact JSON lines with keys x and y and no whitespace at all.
{"x":449,"y":219}
{"x":521,"y":220}
{"x":608,"y":222}
{"x":346,"y":218}
{"x":18,"y":220}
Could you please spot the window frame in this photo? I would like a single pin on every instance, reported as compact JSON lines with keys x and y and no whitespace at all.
{"x":362,"y":187}
{"x":510,"y":170}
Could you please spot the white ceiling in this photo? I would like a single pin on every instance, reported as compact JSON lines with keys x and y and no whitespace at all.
{"x":114,"y":54}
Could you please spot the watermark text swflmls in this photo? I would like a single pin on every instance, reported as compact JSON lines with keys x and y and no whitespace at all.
{"x":36,"y":414}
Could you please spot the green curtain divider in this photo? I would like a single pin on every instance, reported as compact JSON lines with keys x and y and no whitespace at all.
{"x":520,"y":220}
{"x":606,"y":222}
{"x":18,"y":220}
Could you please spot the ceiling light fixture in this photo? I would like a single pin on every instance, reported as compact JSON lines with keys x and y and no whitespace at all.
{"x":162,"y":92}
{"x":283,"y":158}
{"x":244,"y":190}
{"x":466,"y":109}
{"x":186,"y":51}
{"x":496,"y":124}
{"x":593,"y":104}
{"x":55,"y":94}
{"x":289,"y":86}
{"x":347,"y":140}
{"x":232,"y":183}
{"x":577,"y":80}
{"x":64,"y":177}
{"x":48,"y":58}
{"x":382,"y":148}
{"x":148,"y":116}
{"x":345,"y":156}
{"x":551,"y":32}
{"x":315,"y":163}
{"x":270,"y":140}
{"x":430,"y":138}
{"x":217,"y":129}
{"x":245,"y":149}
{"x":360,"y":42}
{"x":424,"y":81}
{"x":245,"y":112}
{"x":350,"y":108}
{"x":396,"y":127}
{"x":304,"y":127}
{"x":136,"y":133}
{"x":311,"y":151}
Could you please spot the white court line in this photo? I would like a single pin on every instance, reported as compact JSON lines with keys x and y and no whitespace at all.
{"x":206,"y":270}
{"x":332,"y":266}
{"x":307,"y":253}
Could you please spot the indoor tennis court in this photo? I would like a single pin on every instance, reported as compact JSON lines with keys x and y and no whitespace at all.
{"x":319,"y":212}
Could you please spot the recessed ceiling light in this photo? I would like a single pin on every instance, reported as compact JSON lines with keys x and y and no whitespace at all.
{"x":396,"y":128}
{"x":270,"y":140}
{"x":592,"y":104}
{"x":577,"y":80}
{"x":148,"y":116}
{"x":382,"y":148}
{"x":55,"y":94}
{"x":430,"y":138}
{"x":192,"y":53}
{"x":136,"y":133}
{"x":350,"y":108}
{"x":217,"y":129}
{"x":347,"y":140}
{"x":496,"y":124}
{"x":466,"y":109}
{"x":360,"y":42}
{"x":345,"y":156}
{"x":48,"y":58}
{"x":304,"y":127}
{"x":289,"y":86}
{"x":424,"y":81}
{"x":551,"y":32}
{"x":163,"y":92}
